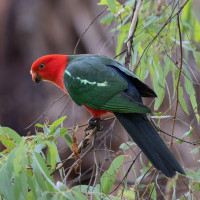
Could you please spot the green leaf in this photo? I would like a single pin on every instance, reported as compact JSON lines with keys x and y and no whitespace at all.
{"x":39,"y":125}
{"x":181,"y":99}
{"x":32,"y":184}
{"x":157,"y":80}
{"x":78,"y":195}
{"x":11,"y":134}
{"x":57,"y":132}
{"x":120,"y":41}
{"x":107,"y":19}
{"x":38,"y":148}
{"x":53,"y":153}
{"x":108,"y":178}
{"x":194,"y":175}
{"x":103,"y":2}
{"x":168,"y":66}
{"x":134,"y":57}
{"x":62,"y":186}
{"x":7,"y":142}
{"x":68,"y":139}
{"x":150,"y":20}
{"x":6,"y":186}
{"x":197,"y":58}
{"x":194,"y":104}
{"x":140,"y":38}
{"x":195,"y":150}
{"x":188,"y":83}
{"x":126,"y":145}
{"x":18,"y":162}
{"x":62,"y":196}
{"x":57,"y":123}
{"x":44,"y":182}
{"x":20,"y":186}
{"x":112,"y":5}
{"x":161,"y":94}
{"x":46,"y":130}
{"x":153,"y":192}
{"x":187,"y":134}
{"x":129,"y":194}
{"x":197,"y":187}
{"x":86,"y":188}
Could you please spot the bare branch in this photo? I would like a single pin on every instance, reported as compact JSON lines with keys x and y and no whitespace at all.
{"x":179,"y":75}
{"x":45,"y":112}
{"x":131,"y":33}
{"x":75,"y":49}
{"x":77,"y":161}
{"x":81,"y":146}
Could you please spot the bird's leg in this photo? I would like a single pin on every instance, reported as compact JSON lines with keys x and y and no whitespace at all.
{"x":94,"y":122}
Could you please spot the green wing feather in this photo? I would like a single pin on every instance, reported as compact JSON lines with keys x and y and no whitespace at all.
{"x":89,"y":82}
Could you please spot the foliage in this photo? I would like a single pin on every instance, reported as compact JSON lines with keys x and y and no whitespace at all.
{"x":26,"y":163}
{"x":165,"y":39}
{"x":155,"y":43}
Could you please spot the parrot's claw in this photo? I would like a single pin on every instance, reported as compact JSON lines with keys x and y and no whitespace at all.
{"x":94,"y":122}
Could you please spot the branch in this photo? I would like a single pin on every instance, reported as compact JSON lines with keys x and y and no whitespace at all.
{"x":131,"y":32}
{"x":77,"y":161}
{"x":64,"y":108}
{"x":45,"y":112}
{"x":129,"y":169}
{"x":75,"y":49}
{"x":86,"y":124}
{"x":179,"y":75}
{"x":182,"y":140}
{"x":81,"y":146}
{"x":165,"y":24}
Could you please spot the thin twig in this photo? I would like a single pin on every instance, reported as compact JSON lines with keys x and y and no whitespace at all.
{"x":165,"y":24}
{"x":179,"y":76}
{"x":81,"y":146}
{"x":86,"y":124}
{"x":185,"y":141}
{"x":123,"y":51}
{"x":142,"y":197}
{"x":159,"y":40}
{"x":132,"y":29}
{"x":77,"y":179}
{"x":75,"y":49}
{"x":76,"y":162}
{"x":156,"y":181}
{"x":64,"y":108}
{"x":130,"y":167}
{"x":45,"y":112}
{"x":96,"y":168}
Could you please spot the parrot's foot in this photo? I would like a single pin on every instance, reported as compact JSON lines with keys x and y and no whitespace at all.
{"x":94,"y":122}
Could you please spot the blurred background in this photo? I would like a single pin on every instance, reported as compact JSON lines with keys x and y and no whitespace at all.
{"x":30,"y":29}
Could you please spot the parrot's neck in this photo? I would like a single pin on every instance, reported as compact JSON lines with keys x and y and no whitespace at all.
{"x":58,"y":69}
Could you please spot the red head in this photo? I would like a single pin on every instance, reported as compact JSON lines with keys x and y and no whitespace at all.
{"x":50,"y":68}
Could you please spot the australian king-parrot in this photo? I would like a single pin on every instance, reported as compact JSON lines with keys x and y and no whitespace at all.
{"x":102,"y":85}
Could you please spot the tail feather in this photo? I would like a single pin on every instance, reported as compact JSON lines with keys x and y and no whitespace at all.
{"x":146,"y":137}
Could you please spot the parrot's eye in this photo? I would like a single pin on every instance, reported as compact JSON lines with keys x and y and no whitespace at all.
{"x":41,"y":65}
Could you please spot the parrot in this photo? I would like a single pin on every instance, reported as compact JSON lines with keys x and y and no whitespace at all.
{"x":103,"y":85}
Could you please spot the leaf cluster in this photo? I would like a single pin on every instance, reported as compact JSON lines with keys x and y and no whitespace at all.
{"x":26,"y":165}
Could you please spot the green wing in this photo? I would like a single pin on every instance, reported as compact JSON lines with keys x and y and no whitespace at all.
{"x":89,"y":82}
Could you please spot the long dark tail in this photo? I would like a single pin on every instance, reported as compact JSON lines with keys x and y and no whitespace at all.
{"x":146,"y":137}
